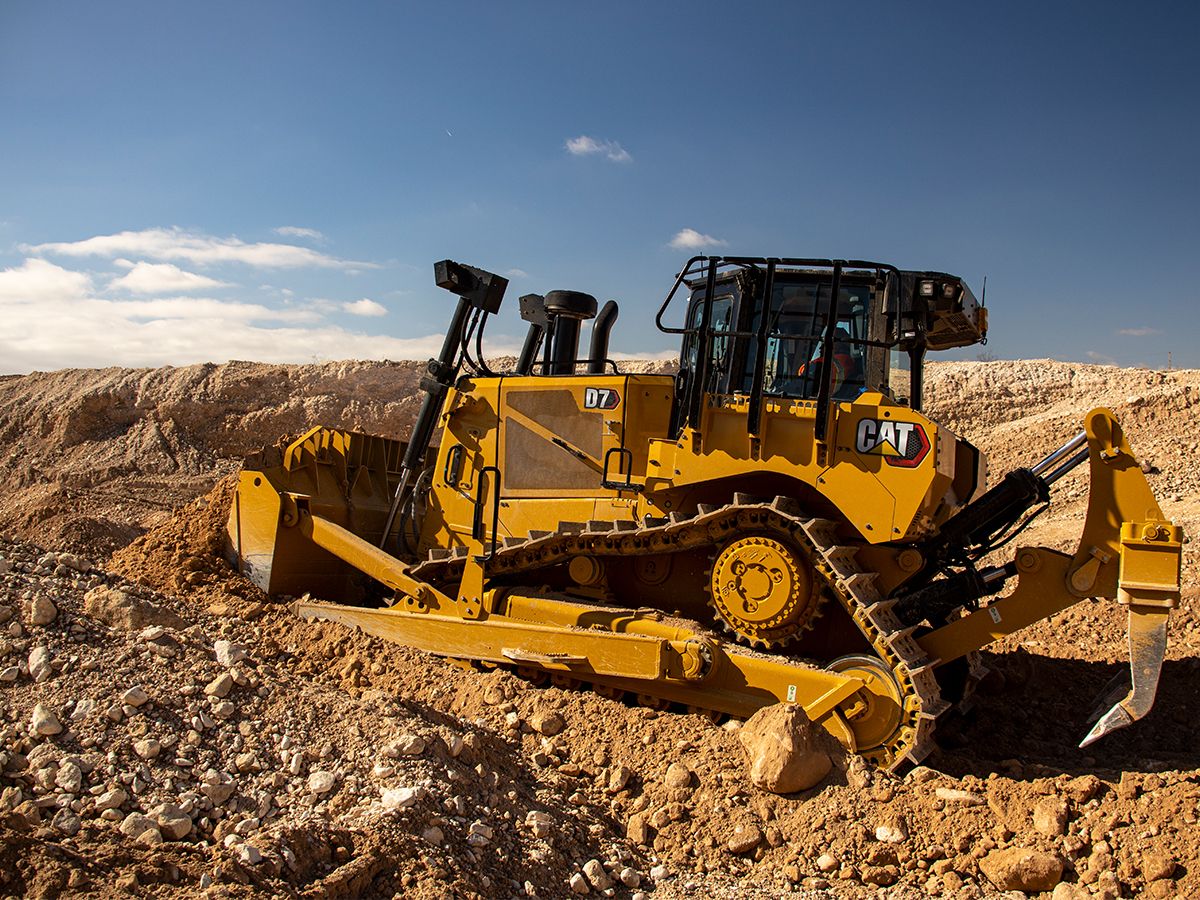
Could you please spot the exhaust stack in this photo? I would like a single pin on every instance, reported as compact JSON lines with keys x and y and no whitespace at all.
{"x":566,"y":310}
{"x":598,"y":350}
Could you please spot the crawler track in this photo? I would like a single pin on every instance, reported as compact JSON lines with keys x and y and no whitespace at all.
{"x":834,"y":563}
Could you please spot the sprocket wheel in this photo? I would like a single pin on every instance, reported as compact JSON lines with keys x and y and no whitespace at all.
{"x":763,"y":591}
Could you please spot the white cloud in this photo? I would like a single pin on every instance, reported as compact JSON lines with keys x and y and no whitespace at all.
{"x":691,"y":239}
{"x":1100,"y":358}
{"x":516,"y":273}
{"x":122,"y":263}
{"x":589,"y":146}
{"x":365,"y":307}
{"x":53,"y":319}
{"x":297,"y":232}
{"x":36,"y":280}
{"x":1138,"y":332}
{"x":206,"y":308}
{"x":162,"y":278}
{"x":199,"y":249}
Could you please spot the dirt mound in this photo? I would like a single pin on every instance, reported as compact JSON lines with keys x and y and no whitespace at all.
{"x":118,"y":449}
{"x":92,"y":458}
{"x":310,"y":760}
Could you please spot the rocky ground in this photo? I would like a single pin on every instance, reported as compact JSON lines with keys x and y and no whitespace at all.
{"x":166,"y":730}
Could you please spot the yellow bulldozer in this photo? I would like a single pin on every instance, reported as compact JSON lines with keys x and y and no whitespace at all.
{"x":777,"y":522}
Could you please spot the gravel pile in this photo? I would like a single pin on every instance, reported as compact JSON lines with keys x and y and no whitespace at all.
{"x":166,"y":730}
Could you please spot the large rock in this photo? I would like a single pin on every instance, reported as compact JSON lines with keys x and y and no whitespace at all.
{"x":638,"y":830}
{"x":1021,"y":869}
{"x":547,"y":722}
{"x":141,"y":828}
{"x":228,"y":653}
{"x":744,"y":838}
{"x":42,"y":610}
{"x":401,"y":797}
{"x":1050,"y":816}
{"x":41,"y":664}
{"x":44,"y":721}
{"x":321,"y":781}
{"x":173,"y":822}
{"x":111,"y":799}
{"x":786,"y":751}
{"x":1157,"y":866}
{"x":678,"y":777}
{"x":121,"y":609}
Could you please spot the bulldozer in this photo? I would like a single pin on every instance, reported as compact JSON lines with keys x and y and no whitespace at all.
{"x":776,"y":521}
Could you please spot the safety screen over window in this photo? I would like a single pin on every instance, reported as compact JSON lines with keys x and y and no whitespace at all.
{"x":794,"y":357}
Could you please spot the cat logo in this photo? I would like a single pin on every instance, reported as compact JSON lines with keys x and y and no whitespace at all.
{"x":600,"y":398}
{"x":902,"y":444}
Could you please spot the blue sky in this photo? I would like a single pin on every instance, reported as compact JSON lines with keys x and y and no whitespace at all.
{"x":189,"y":182}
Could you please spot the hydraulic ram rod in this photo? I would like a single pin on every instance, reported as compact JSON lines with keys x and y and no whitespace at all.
{"x":1070,"y":446}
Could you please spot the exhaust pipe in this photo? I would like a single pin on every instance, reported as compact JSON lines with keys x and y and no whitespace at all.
{"x":598,"y":349}
{"x":567,"y":310}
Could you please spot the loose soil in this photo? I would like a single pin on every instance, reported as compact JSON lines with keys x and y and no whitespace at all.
{"x":306,"y":760}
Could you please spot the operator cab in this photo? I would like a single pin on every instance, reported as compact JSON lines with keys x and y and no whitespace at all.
{"x":876,"y":334}
{"x":794,"y":339}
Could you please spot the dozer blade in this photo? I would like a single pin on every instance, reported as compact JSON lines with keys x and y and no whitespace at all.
{"x":1147,"y":647}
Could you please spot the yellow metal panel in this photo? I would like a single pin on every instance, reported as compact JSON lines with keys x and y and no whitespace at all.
{"x":882,"y":496}
{"x":488,"y":639}
{"x":633,"y":656}
{"x":1151,"y":559}
{"x":1041,"y":592}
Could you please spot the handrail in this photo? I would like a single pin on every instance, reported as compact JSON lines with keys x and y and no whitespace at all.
{"x":477,"y":523}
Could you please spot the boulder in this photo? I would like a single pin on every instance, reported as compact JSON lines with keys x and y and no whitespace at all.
{"x":228,"y":653}
{"x":547,"y":722}
{"x":593,"y":869}
{"x":1022,"y":869}
{"x":1157,"y":866}
{"x":321,"y":781}
{"x":744,"y":839}
{"x":42,"y":610}
{"x":1050,"y":816}
{"x":678,"y":777}
{"x":141,"y":828}
{"x":121,"y":609}
{"x":409,"y":745}
{"x":44,"y":721}
{"x":172,"y":821}
{"x":638,"y":830}
{"x":786,"y":751}
{"x":401,"y":797}
{"x":220,"y":686}
{"x":111,"y":799}
{"x":40,"y":664}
